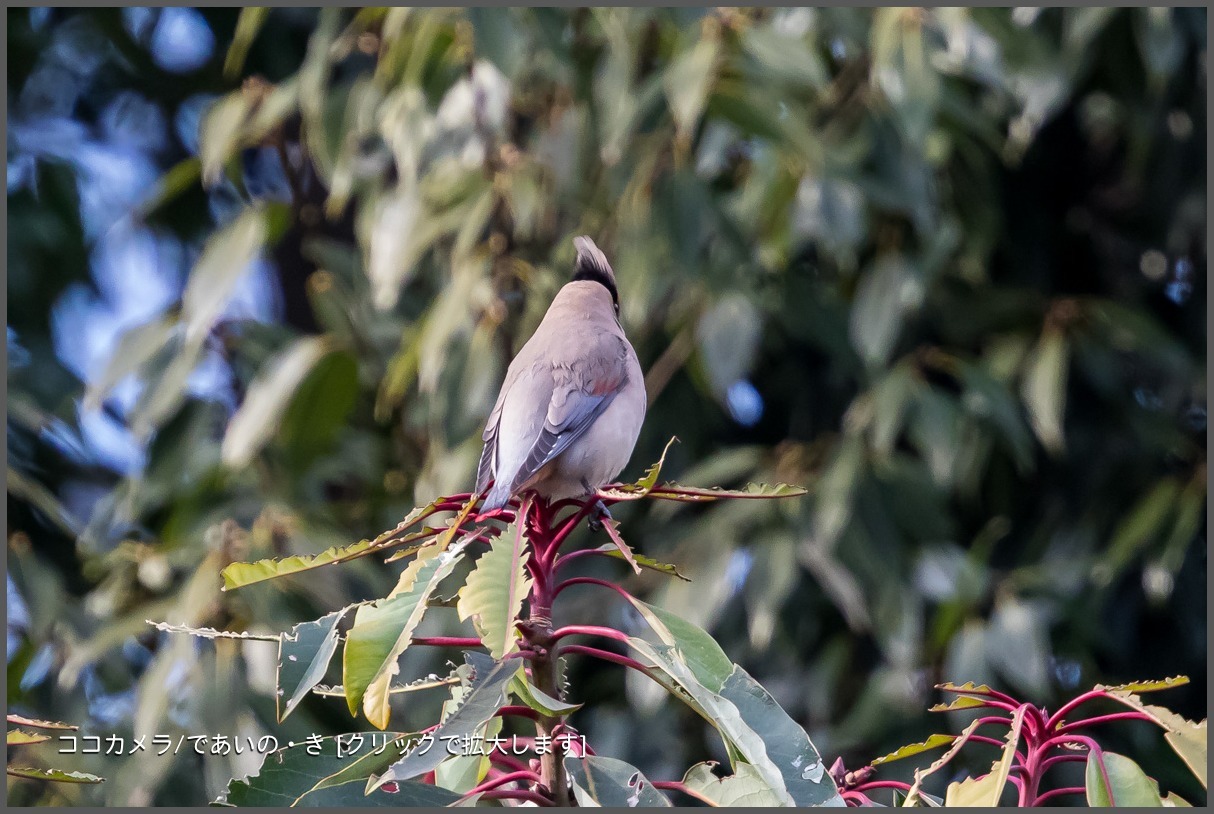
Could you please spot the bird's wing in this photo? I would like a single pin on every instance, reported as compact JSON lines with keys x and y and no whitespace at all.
{"x":582,"y":390}
{"x":486,"y":470}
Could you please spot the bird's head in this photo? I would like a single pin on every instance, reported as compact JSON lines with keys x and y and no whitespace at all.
{"x":592,"y":265}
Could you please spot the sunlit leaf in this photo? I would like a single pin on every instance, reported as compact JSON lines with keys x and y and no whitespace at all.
{"x":221,"y":133}
{"x":687,"y":81}
{"x":1188,"y":739}
{"x":1114,"y":780}
{"x":249,"y":22}
{"x":16,"y":737}
{"x":987,"y":790}
{"x":492,"y":596}
{"x":54,"y":775}
{"x":915,"y":795}
{"x":1147,"y":686}
{"x":383,"y":629}
{"x":21,"y":720}
{"x":212,"y":633}
{"x":225,"y":258}
{"x":539,"y":700}
{"x":643,"y":487}
{"x":650,"y":563}
{"x":933,"y":742}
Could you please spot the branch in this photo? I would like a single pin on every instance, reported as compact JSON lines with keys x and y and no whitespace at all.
{"x":605,"y":655}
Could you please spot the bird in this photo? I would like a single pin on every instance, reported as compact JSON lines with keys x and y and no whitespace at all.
{"x":571,"y":406}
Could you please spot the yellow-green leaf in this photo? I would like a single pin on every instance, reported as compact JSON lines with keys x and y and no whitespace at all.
{"x":986,"y":791}
{"x":493,"y":595}
{"x":17,"y":737}
{"x":636,"y":491}
{"x":933,"y":742}
{"x":1187,"y":739}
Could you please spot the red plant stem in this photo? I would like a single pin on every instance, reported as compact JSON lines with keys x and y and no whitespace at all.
{"x":589,"y":630}
{"x":448,"y":641}
{"x":1041,"y":798}
{"x":1051,"y":762}
{"x":883,"y":784}
{"x":1057,"y":718}
{"x":1070,"y":737}
{"x":858,"y":798}
{"x":518,"y":711}
{"x":516,"y":794}
{"x":565,"y":559}
{"x":498,"y":756}
{"x":1101,"y":719}
{"x":560,"y":586}
{"x":602,"y":654}
{"x":493,"y":783}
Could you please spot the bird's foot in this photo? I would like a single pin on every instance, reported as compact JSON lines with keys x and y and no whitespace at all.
{"x":598,"y":515}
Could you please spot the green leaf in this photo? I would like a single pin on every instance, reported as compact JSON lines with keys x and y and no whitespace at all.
{"x":698,"y":494}
{"x":635,"y":491}
{"x":744,"y":788}
{"x":1113,"y":780}
{"x":319,"y":407}
{"x":1147,"y":686}
{"x":915,"y":794}
{"x":613,"y":531}
{"x":885,"y":294}
{"x":1188,"y":739}
{"x":54,"y":775}
{"x":964,"y":702}
{"x":221,"y":133}
{"x":611,"y":550}
{"x":539,"y":700}
{"x":933,"y":742}
{"x":240,"y":574}
{"x":248,"y":24}
{"x":968,"y":688}
{"x":17,"y":737}
{"x":1145,"y":522}
{"x":986,"y":791}
{"x":492,"y":596}
{"x":21,"y":720}
{"x":686,"y":83}
{"x":304,"y":775}
{"x":133,"y":350}
{"x":383,"y":629}
{"x":755,"y":727}
{"x":267,"y":398}
{"x":303,"y":658}
{"x":488,"y":695}
{"x":1044,"y":389}
{"x":224,"y":260}
{"x":611,"y":783}
{"x":699,"y":651}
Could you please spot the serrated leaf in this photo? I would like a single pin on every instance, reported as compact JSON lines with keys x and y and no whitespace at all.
{"x":613,"y":531}
{"x":964,"y":702}
{"x":744,"y":788}
{"x":240,"y":574}
{"x":987,"y":790}
{"x":383,"y":629}
{"x":488,"y":695}
{"x":1188,"y":739}
{"x":1146,"y":686}
{"x":212,"y":633}
{"x":225,"y":258}
{"x":21,"y":720}
{"x":54,"y":775}
{"x":303,"y":657}
{"x":697,"y":494}
{"x":968,"y":688}
{"x":539,"y":700}
{"x":1114,"y":780}
{"x":492,"y":596}
{"x":915,"y":793}
{"x":610,"y":783}
{"x":17,"y":737}
{"x":643,"y":561}
{"x":933,"y":742}
{"x":635,"y":491}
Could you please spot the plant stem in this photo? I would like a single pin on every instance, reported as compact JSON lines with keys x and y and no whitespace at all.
{"x":1058,"y":793}
{"x":516,"y":794}
{"x":447,"y":641}
{"x":1101,"y":719}
{"x":589,"y":630}
{"x":605,"y":655}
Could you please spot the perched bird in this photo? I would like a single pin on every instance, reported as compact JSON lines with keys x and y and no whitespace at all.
{"x":571,"y":407}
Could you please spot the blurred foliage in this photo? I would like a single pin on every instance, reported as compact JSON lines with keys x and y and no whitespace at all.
{"x":945,"y":267}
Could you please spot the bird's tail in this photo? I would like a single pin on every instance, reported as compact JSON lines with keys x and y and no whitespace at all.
{"x":498,"y":497}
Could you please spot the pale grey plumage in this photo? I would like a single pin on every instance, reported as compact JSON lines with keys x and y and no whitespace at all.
{"x":571,"y":406}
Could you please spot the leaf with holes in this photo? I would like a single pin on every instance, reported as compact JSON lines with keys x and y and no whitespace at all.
{"x":54,"y":775}
{"x":611,"y":783}
{"x":744,"y":788}
{"x":1187,"y":739}
{"x":303,"y":658}
{"x":987,"y":790}
{"x":649,"y":563}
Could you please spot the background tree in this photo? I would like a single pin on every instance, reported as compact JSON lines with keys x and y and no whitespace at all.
{"x":944,"y":267}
